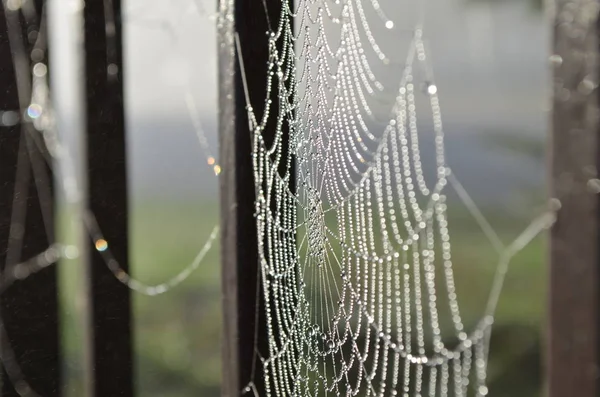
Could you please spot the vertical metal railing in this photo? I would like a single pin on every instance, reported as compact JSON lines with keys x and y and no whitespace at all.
{"x":248,"y":23}
{"x":29,"y":308}
{"x":574,"y":312}
{"x":112,"y":352}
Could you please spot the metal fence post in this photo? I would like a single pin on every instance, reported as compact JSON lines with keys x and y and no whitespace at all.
{"x":242,"y":305}
{"x":574,"y":316}
{"x":107,"y":197}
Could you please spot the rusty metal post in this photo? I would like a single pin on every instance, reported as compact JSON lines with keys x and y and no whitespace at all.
{"x":574,"y":310}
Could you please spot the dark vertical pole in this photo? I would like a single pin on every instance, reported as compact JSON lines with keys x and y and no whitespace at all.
{"x":241,"y":272}
{"x":29,"y":308}
{"x":107,"y":196}
{"x":575,"y":261}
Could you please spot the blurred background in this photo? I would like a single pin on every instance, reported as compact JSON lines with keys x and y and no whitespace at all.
{"x":490,"y":61}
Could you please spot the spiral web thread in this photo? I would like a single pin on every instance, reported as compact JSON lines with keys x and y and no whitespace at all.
{"x":356,"y":263}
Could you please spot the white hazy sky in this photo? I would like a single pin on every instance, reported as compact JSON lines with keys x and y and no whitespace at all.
{"x":490,"y":62}
{"x":170,"y":49}
{"x":489,"y":58}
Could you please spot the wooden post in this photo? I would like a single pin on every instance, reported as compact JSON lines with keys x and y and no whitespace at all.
{"x":574,"y":316}
{"x":112,"y":351}
{"x":28,"y":308}
{"x":244,"y":325}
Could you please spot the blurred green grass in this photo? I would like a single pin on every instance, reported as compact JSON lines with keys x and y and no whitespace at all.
{"x":178,"y":334}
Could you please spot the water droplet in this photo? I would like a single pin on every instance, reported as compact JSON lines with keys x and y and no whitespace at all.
{"x":13,"y":5}
{"x":9,"y":118}
{"x":101,"y":245}
{"x":594,"y":185}
{"x":555,"y":59}
{"x":20,"y":272}
{"x":564,"y":94}
{"x":431,"y":89}
{"x":34,"y":111}
{"x":71,"y":252}
{"x":37,"y":55}
{"x":483,"y":390}
{"x":112,"y":69}
{"x":389,"y":24}
{"x":40,"y":70}
{"x":586,"y":86}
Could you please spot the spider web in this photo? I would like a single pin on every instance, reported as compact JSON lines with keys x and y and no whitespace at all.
{"x":356,"y":259}
{"x":353,"y":260}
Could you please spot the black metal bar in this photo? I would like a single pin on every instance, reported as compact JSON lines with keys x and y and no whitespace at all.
{"x":107,"y":196}
{"x":28,"y":308}
{"x":574,"y":317}
{"x":242,"y":297}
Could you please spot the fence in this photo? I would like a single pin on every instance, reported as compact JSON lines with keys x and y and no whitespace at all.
{"x":29,"y":309}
